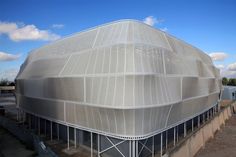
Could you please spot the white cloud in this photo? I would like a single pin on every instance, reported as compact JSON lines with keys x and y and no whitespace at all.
{"x":231,"y":67}
{"x":150,"y":20}
{"x":19,"y":32}
{"x":31,"y":32}
{"x":9,"y":74}
{"x":220,"y":66}
{"x":218,"y":56}
{"x":228,"y":74}
{"x":164,"y":29}
{"x":8,"y":57}
{"x":57,"y":26}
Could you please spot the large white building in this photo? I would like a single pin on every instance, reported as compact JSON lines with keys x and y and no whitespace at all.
{"x":123,"y":80}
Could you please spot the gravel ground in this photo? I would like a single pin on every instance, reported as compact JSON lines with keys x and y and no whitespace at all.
{"x":224,"y":142}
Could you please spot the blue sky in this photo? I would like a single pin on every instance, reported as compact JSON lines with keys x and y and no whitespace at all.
{"x":207,"y":24}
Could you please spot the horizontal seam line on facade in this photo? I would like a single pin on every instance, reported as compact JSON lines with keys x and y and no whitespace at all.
{"x":120,"y":107}
{"x":122,"y":74}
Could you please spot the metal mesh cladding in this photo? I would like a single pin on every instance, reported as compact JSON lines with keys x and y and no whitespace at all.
{"x":124,"y":79}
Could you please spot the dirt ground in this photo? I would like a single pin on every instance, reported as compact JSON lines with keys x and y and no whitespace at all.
{"x":12,"y":147}
{"x":224,"y":142}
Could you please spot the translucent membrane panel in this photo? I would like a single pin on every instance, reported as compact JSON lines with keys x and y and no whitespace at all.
{"x":76,"y":65}
{"x":205,"y":58}
{"x":150,"y":119}
{"x":112,"y":34}
{"x":217,"y":72}
{"x":177,"y":64}
{"x":72,"y":44}
{"x":116,"y":121}
{"x":148,"y":35}
{"x":191,"y":107}
{"x":47,"y":108}
{"x":34,"y":88}
{"x":43,"y":68}
{"x":20,"y":86}
{"x":204,"y":70}
{"x":193,"y":87}
{"x":148,"y":59}
{"x":105,"y":90}
{"x":176,"y":45}
{"x":70,"y":111}
{"x":106,"y":60}
{"x":154,"y":90}
{"x":129,"y":59}
{"x":66,"y":88}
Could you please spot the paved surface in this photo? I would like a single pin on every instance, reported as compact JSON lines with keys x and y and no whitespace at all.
{"x":224,"y":142}
{"x":12,"y":147}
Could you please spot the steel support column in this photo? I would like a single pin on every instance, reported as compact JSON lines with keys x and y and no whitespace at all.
{"x":166,"y":139}
{"x":174,"y":134}
{"x":51,"y":130}
{"x":153,"y":146}
{"x":198,"y":123}
{"x":192,"y":125}
{"x":30,"y":122}
{"x":161,"y":144}
{"x":91,"y":144}
{"x":75,"y":138}
{"x":45,"y":127}
{"x":58,"y":136}
{"x":39,"y":125}
{"x":98,"y":145}
{"x":68,"y":137}
{"x":177,"y":134}
{"x":185,"y":131}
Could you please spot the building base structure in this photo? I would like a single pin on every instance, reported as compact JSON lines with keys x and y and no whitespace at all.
{"x":101,"y":145}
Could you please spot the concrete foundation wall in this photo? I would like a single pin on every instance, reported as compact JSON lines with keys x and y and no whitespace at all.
{"x":197,"y":140}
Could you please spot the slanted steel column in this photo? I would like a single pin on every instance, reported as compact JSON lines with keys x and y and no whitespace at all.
{"x":68,"y":137}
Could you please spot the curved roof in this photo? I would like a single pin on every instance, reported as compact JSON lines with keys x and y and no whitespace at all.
{"x":118,"y":32}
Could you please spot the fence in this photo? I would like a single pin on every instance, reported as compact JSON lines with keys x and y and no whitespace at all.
{"x":27,"y":137}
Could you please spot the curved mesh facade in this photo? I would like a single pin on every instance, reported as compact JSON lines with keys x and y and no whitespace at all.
{"x":124,"y":79}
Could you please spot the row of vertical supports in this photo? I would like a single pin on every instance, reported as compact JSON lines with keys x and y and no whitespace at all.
{"x":133,"y":143}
